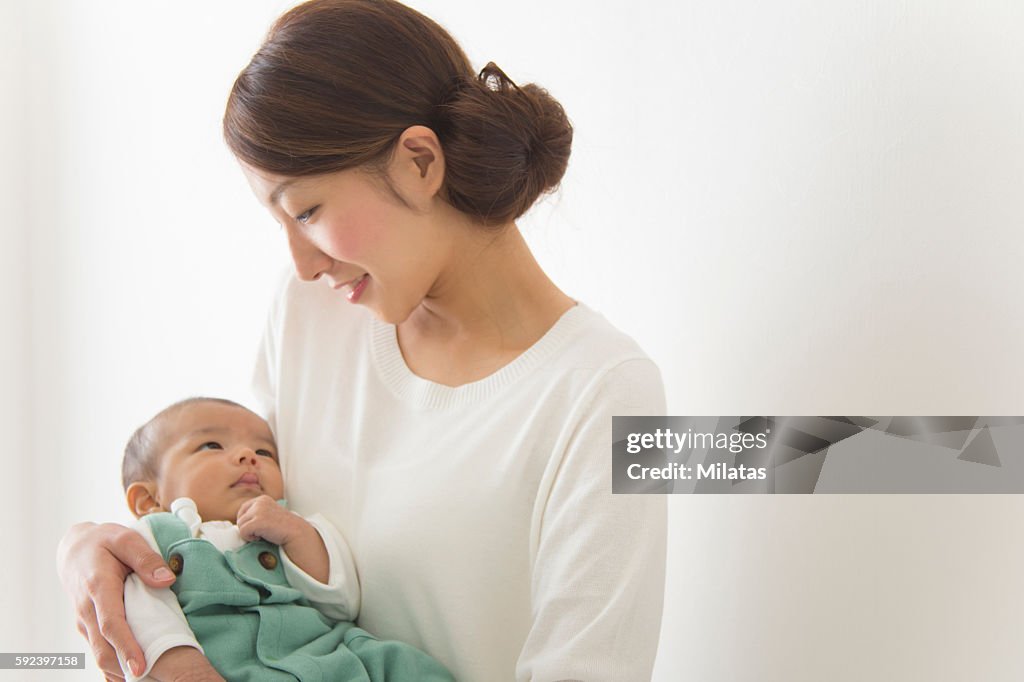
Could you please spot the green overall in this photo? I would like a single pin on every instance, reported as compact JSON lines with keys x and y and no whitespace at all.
{"x":255,"y":627}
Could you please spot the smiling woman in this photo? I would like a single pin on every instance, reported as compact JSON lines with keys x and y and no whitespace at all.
{"x":450,"y":413}
{"x":397,"y":257}
{"x":344,"y":228}
{"x":799,"y":206}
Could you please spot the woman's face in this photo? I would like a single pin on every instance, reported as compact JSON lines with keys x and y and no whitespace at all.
{"x":349,"y":230}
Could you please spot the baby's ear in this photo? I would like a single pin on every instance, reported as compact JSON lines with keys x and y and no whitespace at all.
{"x":142,"y":498}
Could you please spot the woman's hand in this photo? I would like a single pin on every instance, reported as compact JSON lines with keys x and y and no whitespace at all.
{"x":93,"y":562}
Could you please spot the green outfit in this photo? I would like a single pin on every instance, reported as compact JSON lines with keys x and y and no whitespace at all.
{"x":255,"y":627}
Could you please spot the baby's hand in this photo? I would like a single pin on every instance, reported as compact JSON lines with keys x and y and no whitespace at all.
{"x":263,"y":518}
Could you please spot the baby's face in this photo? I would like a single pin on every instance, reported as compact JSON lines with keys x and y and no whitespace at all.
{"x":220,"y":456}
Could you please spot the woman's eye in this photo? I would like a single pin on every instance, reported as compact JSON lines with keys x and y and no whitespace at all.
{"x":307,"y":215}
{"x":265,"y":453}
{"x":212,"y":445}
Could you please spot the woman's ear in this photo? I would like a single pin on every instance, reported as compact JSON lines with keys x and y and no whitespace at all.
{"x":417,"y":166}
{"x":142,"y":498}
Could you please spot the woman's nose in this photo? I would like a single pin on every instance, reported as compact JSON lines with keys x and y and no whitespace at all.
{"x":310,"y":262}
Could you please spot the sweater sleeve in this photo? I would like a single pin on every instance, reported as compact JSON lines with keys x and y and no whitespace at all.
{"x":597,"y":559}
{"x":154,"y":615}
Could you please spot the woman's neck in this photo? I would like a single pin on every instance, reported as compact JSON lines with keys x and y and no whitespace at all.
{"x":491,"y":294}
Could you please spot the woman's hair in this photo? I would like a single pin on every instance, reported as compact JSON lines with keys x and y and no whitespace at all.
{"x":336,"y":82}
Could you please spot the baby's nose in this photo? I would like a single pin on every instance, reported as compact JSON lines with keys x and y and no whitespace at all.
{"x":247,"y":456}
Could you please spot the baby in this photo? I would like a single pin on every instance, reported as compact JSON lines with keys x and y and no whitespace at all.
{"x":261,"y":593}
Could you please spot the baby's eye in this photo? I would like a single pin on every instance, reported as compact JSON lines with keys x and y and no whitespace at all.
{"x":265,"y":453}
{"x":307,"y":215}
{"x":211,"y":445}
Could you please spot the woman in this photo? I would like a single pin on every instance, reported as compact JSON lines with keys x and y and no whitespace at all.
{"x":452,"y":417}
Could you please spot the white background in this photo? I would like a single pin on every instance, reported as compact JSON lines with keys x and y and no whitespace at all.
{"x":795,"y":208}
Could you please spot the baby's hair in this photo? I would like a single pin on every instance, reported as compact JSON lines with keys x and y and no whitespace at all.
{"x":141,"y":455}
{"x":337,"y":82}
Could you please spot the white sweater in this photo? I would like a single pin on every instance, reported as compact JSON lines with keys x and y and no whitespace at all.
{"x":481,"y":517}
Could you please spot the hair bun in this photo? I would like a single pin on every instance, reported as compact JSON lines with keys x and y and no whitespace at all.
{"x":337,"y":82}
{"x":505,"y":145}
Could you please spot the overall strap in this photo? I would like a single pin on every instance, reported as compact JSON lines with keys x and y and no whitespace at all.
{"x":168,"y":530}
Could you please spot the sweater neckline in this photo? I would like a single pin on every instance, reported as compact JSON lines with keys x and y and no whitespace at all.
{"x":414,"y":389}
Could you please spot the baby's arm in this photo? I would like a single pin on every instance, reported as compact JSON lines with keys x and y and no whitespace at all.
{"x":263,"y":518}
{"x":169,"y":646}
{"x":337,"y":595}
{"x":184,"y":663}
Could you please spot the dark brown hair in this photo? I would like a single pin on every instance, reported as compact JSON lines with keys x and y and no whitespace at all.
{"x":142,"y":454}
{"x":336,"y":82}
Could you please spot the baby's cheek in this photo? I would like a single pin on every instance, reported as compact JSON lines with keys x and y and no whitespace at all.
{"x":273,"y":483}
{"x":276,"y":490}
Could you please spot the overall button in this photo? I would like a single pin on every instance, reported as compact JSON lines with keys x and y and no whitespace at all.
{"x":176,"y":562}
{"x":268,"y":560}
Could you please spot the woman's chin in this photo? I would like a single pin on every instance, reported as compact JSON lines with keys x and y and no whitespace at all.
{"x":390,"y":315}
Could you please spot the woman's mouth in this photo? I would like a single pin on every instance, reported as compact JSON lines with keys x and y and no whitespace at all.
{"x":356,"y":287}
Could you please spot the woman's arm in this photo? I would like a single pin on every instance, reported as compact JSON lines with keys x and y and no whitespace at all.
{"x":598,"y":568}
{"x":93,"y":562}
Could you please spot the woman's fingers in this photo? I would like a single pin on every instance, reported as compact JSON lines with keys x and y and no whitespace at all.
{"x":93,"y":561}
{"x":107,"y":591}
{"x":114,"y":632}
{"x":132,"y":550}
{"x":102,"y":652}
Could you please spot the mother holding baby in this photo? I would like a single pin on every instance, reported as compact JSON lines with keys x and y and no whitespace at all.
{"x":440,"y":400}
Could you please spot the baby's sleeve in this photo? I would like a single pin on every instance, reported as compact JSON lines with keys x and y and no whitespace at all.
{"x":154,"y":615}
{"x":339,"y":597}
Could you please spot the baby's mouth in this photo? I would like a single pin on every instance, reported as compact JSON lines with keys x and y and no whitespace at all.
{"x":248,"y":479}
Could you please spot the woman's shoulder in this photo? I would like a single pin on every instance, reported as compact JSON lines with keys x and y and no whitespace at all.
{"x":590,"y":339}
{"x":598,"y":361}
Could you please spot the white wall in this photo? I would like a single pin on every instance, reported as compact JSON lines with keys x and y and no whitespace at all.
{"x":802,"y":208}
{"x":15,"y":386}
